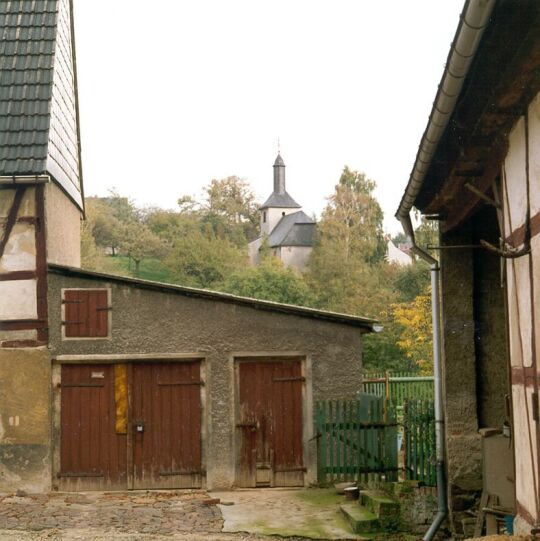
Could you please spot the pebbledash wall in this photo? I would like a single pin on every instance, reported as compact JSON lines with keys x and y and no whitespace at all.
{"x":147,"y":320}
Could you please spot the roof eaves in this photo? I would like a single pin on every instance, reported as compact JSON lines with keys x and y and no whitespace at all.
{"x":302,"y":311}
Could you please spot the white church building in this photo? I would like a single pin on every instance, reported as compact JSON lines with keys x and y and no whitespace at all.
{"x":286,"y":229}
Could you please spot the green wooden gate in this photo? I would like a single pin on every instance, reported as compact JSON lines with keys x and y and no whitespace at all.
{"x":357,"y":440}
{"x":419,"y":432}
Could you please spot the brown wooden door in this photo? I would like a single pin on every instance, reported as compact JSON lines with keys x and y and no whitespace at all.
{"x":270,"y":423}
{"x":166,"y":425}
{"x":92,"y":455}
{"x":152,"y":441}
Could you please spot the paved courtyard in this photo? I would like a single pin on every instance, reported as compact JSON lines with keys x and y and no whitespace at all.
{"x":185,"y":515}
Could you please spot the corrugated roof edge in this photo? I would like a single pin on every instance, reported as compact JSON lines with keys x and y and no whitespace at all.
{"x":302,"y":311}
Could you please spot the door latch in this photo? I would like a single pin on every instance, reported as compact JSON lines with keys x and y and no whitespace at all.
{"x":139,"y":427}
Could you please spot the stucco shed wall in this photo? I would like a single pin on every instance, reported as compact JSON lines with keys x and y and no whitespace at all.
{"x":145,"y":321}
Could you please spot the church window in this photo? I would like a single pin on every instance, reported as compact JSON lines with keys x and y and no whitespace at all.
{"x":264,"y":216}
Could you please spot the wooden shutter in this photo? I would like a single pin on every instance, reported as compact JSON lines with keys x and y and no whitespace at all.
{"x":86,"y":313}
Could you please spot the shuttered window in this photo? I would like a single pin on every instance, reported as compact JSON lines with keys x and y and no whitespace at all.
{"x":86,"y":313}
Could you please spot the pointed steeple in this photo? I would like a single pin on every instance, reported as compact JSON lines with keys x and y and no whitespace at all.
{"x":279,"y":175}
{"x":280,"y":198}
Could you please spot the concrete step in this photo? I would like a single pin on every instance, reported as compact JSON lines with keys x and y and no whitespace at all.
{"x":382,"y":506}
{"x":362,"y":520}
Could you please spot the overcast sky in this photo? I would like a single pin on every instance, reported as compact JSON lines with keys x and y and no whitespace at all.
{"x":174,"y":93}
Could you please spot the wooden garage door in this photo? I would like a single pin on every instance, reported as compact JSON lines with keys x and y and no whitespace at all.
{"x":166,"y":424}
{"x":92,"y":455}
{"x":151,"y":439}
{"x":270,"y":423}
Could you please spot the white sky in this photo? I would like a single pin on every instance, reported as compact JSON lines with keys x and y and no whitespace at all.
{"x":174,"y":93}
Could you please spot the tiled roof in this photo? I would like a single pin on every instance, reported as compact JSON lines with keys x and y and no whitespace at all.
{"x":296,"y":229}
{"x":38,"y":110}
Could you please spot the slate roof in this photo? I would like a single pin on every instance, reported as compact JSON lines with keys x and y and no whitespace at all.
{"x":257,"y":304}
{"x":296,"y":229}
{"x":38,"y":102}
{"x":280,"y":200}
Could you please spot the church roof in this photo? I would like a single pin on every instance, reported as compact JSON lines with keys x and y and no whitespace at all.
{"x":280,"y":200}
{"x":296,"y":229}
{"x":38,"y":102}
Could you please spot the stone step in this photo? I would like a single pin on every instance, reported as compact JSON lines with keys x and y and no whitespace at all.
{"x":382,"y":506}
{"x":362,"y":520}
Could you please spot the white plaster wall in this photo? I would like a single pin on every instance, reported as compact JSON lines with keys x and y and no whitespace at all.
{"x":20,"y":251}
{"x":28,"y":206}
{"x":515,"y":198}
{"x":523,"y":273}
{"x":534,"y":154}
{"x":525,"y":448}
{"x":18,"y":299}
{"x":273,"y":216}
{"x":253,"y":251}
{"x":519,"y":308}
{"x":296,"y":257}
{"x":63,"y":220}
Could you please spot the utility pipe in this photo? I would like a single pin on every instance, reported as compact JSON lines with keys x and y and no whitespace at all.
{"x":442,"y":499}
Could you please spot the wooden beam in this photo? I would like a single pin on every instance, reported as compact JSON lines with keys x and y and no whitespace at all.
{"x":18,"y":275}
{"x":11,"y":218}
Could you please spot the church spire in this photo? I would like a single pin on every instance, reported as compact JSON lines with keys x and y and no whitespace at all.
{"x":279,"y":175}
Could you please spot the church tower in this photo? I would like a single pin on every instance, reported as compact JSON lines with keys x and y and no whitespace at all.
{"x":285,"y":228}
{"x":41,"y":205}
{"x":280,"y":203}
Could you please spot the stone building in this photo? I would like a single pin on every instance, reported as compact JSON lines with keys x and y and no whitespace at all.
{"x":478,"y":171}
{"x":287,"y":230}
{"x":109,"y":382}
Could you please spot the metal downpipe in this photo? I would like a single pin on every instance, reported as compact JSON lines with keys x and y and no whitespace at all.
{"x":442,"y":500}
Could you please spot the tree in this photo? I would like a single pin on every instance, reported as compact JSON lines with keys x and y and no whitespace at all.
{"x":228,"y":206}
{"x":411,"y":280}
{"x":201,"y":259}
{"x":139,"y":243}
{"x":427,"y":235}
{"x":352,"y":220}
{"x":270,"y":281}
{"x":105,"y":227}
{"x":416,"y":336}
{"x":347,"y":270}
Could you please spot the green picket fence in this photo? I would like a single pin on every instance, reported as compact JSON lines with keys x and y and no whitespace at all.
{"x":419,"y":441}
{"x":357,"y":440}
{"x":398,"y":386}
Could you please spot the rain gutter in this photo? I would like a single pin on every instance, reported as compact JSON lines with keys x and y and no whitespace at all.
{"x":473,"y":20}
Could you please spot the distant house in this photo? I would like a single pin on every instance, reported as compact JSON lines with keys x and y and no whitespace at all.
{"x":400,"y":254}
{"x":477,"y":172}
{"x":287,"y":230}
